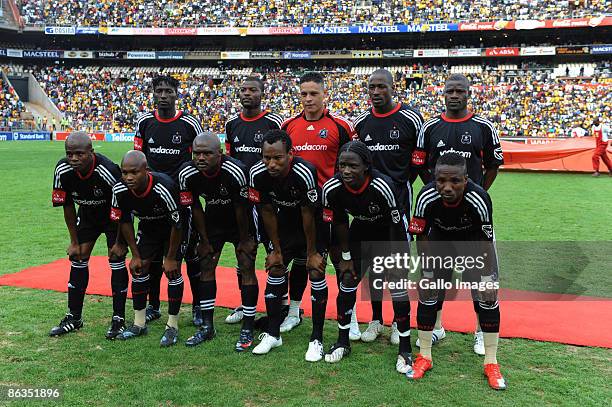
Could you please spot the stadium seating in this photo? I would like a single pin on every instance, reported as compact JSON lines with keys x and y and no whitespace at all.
{"x":292,"y":12}
{"x":538,"y":101}
{"x":10,"y":108}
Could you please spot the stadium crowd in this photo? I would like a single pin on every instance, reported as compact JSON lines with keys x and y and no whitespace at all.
{"x":527,"y":103}
{"x":10,"y":107}
{"x":174,"y":13}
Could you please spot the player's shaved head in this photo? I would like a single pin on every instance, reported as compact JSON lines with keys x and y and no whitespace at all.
{"x":79,"y":140}
{"x":457,"y":77}
{"x":208,"y":139}
{"x":134,"y":158}
{"x":383,"y":73}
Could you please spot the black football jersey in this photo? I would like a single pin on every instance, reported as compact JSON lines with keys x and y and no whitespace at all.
{"x":93,"y":190}
{"x":470,"y":219}
{"x":474,"y":137}
{"x":167,"y":143}
{"x":375,"y":203}
{"x":299,"y":188}
{"x":392,"y":138}
{"x":243,"y":135}
{"x":158,"y":203}
{"x":221,"y":191}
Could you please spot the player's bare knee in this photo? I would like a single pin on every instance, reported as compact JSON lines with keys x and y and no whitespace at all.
{"x":315,"y":274}
{"x":278,"y":271}
{"x":348,"y":280}
{"x":248,"y":275}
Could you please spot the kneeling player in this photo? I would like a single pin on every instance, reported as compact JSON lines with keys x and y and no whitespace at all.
{"x":87,"y":178}
{"x":153,"y":198}
{"x":286,"y":187}
{"x":450,"y":209}
{"x":369,"y":196}
{"x":221,"y":180}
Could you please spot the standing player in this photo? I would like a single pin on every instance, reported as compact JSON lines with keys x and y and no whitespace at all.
{"x":222,"y":182}
{"x":601,"y":132}
{"x":87,"y":178}
{"x":370,"y":198}
{"x":165,"y":137}
{"x":154,"y":199}
{"x":460,"y":131}
{"x":390,"y":130}
{"x":287,"y":190}
{"x":317,"y":136}
{"x":244,"y":133}
{"x":455,"y":209}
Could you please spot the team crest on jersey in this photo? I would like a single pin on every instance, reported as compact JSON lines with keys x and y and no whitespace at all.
{"x":176,"y":139}
{"x":395,"y":216}
{"x":488,"y":230}
{"x":97,"y":192}
{"x":175,"y":216}
{"x":466,"y":138}
{"x":312,"y":195}
{"x":258,"y":136}
{"x":373,"y":208}
{"x":323,"y":133}
{"x":394,"y":134}
{"x":223,"y":190}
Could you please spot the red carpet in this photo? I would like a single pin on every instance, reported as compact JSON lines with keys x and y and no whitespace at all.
{"x":544,"y":317}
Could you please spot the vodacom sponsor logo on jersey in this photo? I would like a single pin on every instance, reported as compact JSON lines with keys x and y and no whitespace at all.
{"x":310,"y":147}
{"x":384,"y":147}
{"x":163,"y":150}
{"x":464,"y":154}
{"x":246,"y":149}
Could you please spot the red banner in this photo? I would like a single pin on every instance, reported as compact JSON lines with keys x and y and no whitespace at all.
{"x":560,"y":155}
{"x":579,"y":22}
{"x":275,"y":31}
{"x":503,"y":52}
{"x":62,"y":135}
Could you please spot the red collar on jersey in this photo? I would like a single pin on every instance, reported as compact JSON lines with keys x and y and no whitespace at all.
{"x":464,"y":119}
{"x":325,"y":111}
{"x":252,"y":119}
{"x":146,"y":192}
{"x":394,"y":110}
{"x":456,"y":204}
{"x":91,"y":170}
{"x":179,"y":113}
{"x":360,"y":190}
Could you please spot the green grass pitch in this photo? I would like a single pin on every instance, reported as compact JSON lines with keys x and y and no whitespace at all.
{"x":89,"y":370}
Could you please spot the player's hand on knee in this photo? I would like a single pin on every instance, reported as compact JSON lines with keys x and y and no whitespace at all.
{"x":274,"y":260}
{"x":136,"y":266}
{"x":316,"y":262}
{"x":118,"y":251}
{"x":204,"y":249}
{"x":74,"y":252}
{"x":170,"y":267}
